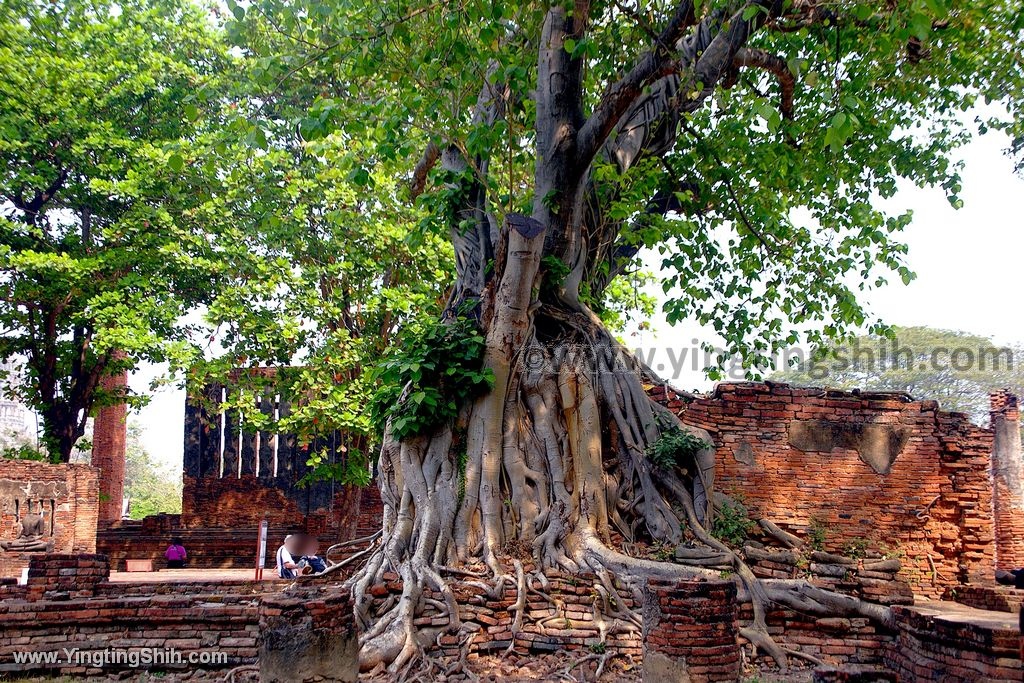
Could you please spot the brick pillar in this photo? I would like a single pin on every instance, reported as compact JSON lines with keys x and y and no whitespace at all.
{"x":689,"y":631}
{"x":109,"y":433}
{"x":1007,"y":481}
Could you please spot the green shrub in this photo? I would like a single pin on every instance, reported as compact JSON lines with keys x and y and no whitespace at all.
{"x":675,"y":446}
{"x":433,"y":369}
{"x":817,"y":533}
{"x":857,"y":549}
{"x":732,"y":524}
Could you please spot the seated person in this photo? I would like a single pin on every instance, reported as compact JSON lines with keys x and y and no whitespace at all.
{"x":175,"y":554}
{"x":289,"y":557}
{"x":309,"y":554}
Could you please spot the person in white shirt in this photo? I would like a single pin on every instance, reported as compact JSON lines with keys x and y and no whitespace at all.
{"x":287,"y":562}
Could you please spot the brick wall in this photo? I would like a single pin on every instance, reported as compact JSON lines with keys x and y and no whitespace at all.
{"x":67,"y":604}
{"x":990,"y":598}
{"x":185,"y":628}
{"x":63,"y":576}
{"x":109,"y":433}
{"x":235,"y":475}
{"x":1008,"y":481}
{"x":834,"y":640}
{"x":568,"y":618}
{"x":309,"y":634}
{"x":68,"y":496}
{"x":244,"y":501}
{"x":901,"y":475}
{"x":228,"y":541}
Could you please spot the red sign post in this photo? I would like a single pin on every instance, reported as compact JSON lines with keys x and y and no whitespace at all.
{"x":261,"y":550}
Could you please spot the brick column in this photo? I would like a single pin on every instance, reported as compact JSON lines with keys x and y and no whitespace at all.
{"x":1008,"y":481}
{"x":109,"y":433}
{"x":690,"y":631}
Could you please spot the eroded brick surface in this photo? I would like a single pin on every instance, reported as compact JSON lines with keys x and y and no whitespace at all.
{"x":690,"y":631}
{"x":932,"y":508}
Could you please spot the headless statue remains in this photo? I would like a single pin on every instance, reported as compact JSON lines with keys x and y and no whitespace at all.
{"x":31,"y":530}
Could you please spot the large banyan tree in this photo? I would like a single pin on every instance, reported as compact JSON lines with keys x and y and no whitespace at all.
{"x":747,"y":145}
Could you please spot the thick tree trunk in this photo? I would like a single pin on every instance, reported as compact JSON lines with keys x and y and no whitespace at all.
{"x":555,"y":464}
{"x":554,"y":460}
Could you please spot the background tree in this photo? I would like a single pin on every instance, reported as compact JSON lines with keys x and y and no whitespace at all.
{"x":745,"y":140}
{"x":97,"y":99}
{"x":323,"y":264}
{"x":152,"y":487}
{"x":958,"y":369}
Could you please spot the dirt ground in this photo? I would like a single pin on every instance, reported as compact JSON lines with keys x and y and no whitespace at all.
{"x":558,"y":667}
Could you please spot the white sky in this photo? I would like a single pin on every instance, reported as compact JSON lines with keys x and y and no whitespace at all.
{"x":969,"y":265}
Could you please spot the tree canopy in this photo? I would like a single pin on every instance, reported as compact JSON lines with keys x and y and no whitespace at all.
{"x":97,"y":100}
{"x":773,"y":227}
{"x":360,"y":167}
{"x":748,"y":143}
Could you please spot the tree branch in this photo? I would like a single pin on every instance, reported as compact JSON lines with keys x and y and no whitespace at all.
{"x":419,"y":174}
{"x":775,"y":65}
{"x":657,"y":62}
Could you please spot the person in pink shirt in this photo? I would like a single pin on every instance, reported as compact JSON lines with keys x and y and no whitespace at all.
{"x":175,"y":554}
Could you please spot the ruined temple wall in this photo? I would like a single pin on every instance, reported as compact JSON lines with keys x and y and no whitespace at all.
{"x":67,"y":494}
{"x":244,"y":501}
{"x":933,"y":647}
{"x":236,"y":476}
{"x":69,"y":605}
{"x":899,"y":475}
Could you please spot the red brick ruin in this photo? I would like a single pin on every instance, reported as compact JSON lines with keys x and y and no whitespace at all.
{"x":109,"y":434}
{"x":897,"y":501}
{"x":860,"y":469}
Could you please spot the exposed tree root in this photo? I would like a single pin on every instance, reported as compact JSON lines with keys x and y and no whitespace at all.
{"x":556,"y":461}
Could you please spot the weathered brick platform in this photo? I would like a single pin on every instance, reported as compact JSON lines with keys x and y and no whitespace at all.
{"x":992,"y":598}
{"x":67,"y":604}
{"x":948,"y":642}
{"x":688,"y":626}
{"x":181,"y":627}
{"x":565,"y":622}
